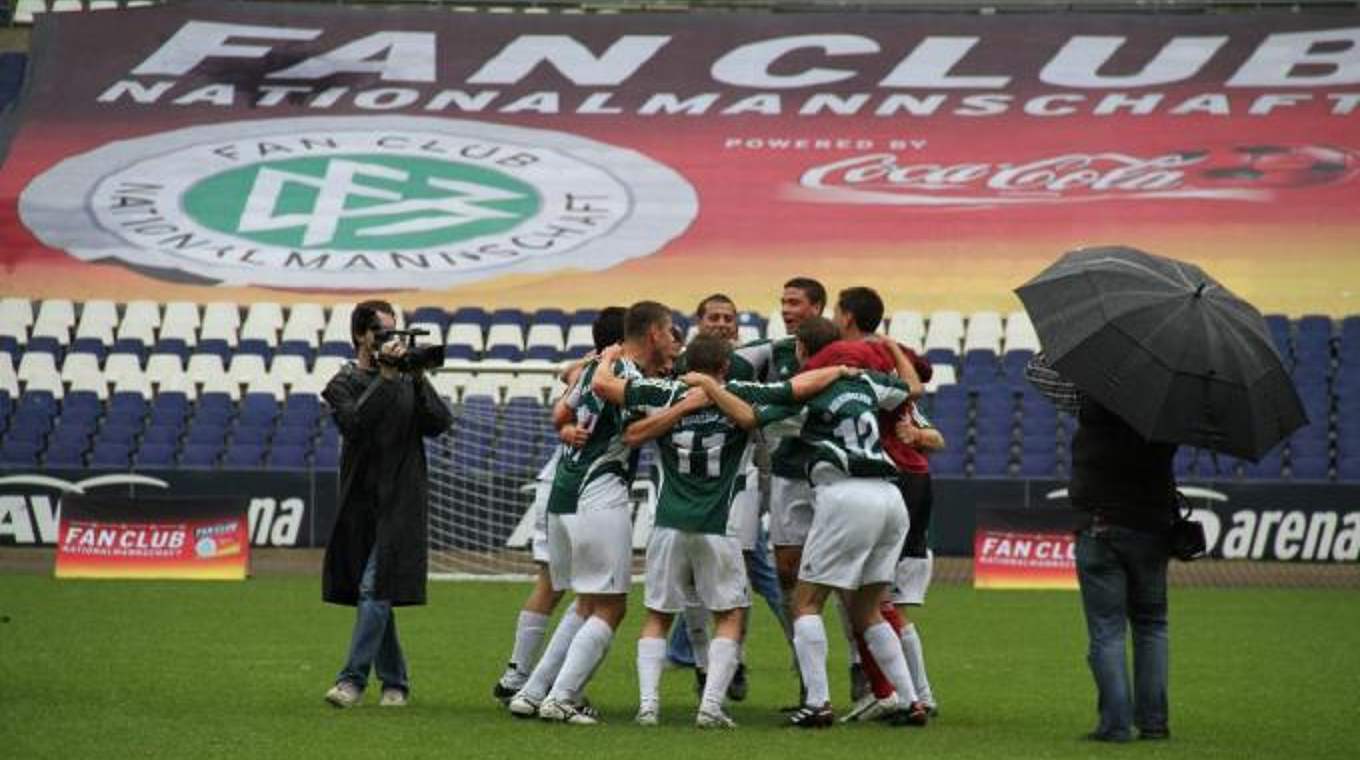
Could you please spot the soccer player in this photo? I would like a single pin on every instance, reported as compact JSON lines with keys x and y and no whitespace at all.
{"x":858,"y":526}
{"x":532,"y":623}
{"x":590,"y":522}
{"x":858,"y":313}
{"x":694,"y":550}
{"x":717,"y":315}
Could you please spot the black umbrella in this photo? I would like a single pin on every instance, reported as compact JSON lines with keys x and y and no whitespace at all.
{"x":1166,"y":347}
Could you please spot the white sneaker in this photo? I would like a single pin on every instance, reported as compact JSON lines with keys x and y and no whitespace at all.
{"x":344,"y":695}
{"x":719,"y":719}
{"x":560,"y":711}
{"x":873,"y":708}
{"x":523,"y":706}
{"x":393,"y":698}
{"x":648,"y":715}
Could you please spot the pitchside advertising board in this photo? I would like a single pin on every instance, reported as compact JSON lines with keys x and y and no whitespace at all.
{"x":153,"y":538}
{"x":282,"y":509}
{"x":214,"y":151}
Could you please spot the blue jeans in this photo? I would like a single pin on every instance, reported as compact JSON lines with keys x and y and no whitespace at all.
{"x":374,"y":644}
{"x":760,"y":572}
{"x":1122,"y":573}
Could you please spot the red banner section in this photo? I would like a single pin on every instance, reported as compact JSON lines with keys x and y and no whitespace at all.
{"x":1030,"y":549}
{"x":109,"y":537}
{"x":213,"y":151}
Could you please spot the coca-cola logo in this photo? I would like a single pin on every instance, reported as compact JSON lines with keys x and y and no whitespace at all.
{"x":1240,"y":173}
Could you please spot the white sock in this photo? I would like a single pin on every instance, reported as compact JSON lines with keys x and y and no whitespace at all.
{"x":587,"y":651}
{"x":887,"y":652}
{"x":847,"y":629}
{"x":550,"y":664}
{"x":529,"y":631}
{"x":651,"y":659}
{"x":916,"y":662}
{"x":809,"y":641}
{"x":696,"y":625}
{"x":722,"y":664}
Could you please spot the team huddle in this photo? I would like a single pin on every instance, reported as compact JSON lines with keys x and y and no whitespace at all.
{"x":832,"y":408}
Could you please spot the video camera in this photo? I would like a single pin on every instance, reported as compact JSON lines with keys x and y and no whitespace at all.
{"x":416,"y":358}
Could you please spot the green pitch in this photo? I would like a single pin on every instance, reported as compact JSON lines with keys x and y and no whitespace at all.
{"x":184,"y":670}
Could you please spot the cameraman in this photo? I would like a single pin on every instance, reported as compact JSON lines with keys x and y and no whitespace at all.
{"x":376,"y":558}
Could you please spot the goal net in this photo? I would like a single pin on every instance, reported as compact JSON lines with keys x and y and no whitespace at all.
{"x":482,"y":474}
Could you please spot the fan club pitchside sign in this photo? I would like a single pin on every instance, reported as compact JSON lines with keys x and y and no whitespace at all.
{"x":340,"y":149}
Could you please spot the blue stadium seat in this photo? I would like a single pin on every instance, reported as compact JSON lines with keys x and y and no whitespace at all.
{"x":555,"y":317}
{"x":175,"y":346}
{"x":214,"y":407}
{"x":65,"y":455}
{"x":296,"y":348}
{"x":258,"y":408}
{"x":18,"y":453}
{"x":470,"y":315}
{"x":508,"y":317}
{"x":523,"y":407}
{"x":81,"y":404}
{"x":941,"y":356}
{"x":326,"y":457}
{"x":1348,"y":469}
{"x":1035,"y":464}
{"x":992,"y":443}
{"x":206,"y":433}
{"x":130,"y":402}
{"x":67,"y":432}
{"x":111,"y":455}
{"x":504,"y":353}
{"x":336,"y":348}
{"x":199,"y":455}
{"x":1309,"y":446}
{"x":47,"y":345}
{"x":257,"y":347}
{"x":10,"y":345}
{"x":114,"y":431}
{"x":287,"y":457}
{"x":37,"y":400}
{"x":576,"y":352}
{"x":155,"y":455}
{"x":541,"y":353}
{"x":1309,"y":468}
{"x":247,"y":456}
{"x":288,"y":435}
{"x":459,"y":352}
{"x":432,"y":314}
{"x":216,"y":346}
{"x":29,"y":425}
{"x":245,"y":434}
{"x":1269,"y":468}
{"x":948,"y":462}
{"x":90,"y":346}
{"x":132,"y":346}
{"x":301,"y":408}
{"x":991,"y":465}
{"x":162,"y":434}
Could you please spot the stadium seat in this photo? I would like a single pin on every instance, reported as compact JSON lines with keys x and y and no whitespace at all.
{"x":199,"y":455}
{"x":579,"y":336}
{"x":259,"y":408}
{"x":163,"y":369}
{"x":430,"y":315}
{"x":111,"y":455}
{"x":337,"y":325}
{"x":245,"y":434}
{"x":545,"y":335}
{"x":79,"y":364}
{"x":18,"y":453}
{"x":305,"y":323}
{"x":267,"y":384}
{"x":504,"y":353}
{"x":122,"y":366}
{"x":246,"y":367}
{"x":1309,"y":468}
{"x":68,"y":455}
{"x":326,"y":458}
{"x":290,"y":435}
{"x":944,"y":330}
{"x":1034,"y":464}
{"x":941,"y":375}
{"x":282,"y":457}
{"x":302,"y":406}
{"x":983,"y":332}
{"x":16,"y":311}
{"x":1019,"y":334}
{"x":161,"y":434}
{"x":9,"y":379}
{"x":907,"y":327}
{"x":154,"y":456}
{"x":465,"y":334}
{"x":288,"y":369}
{"x":1348,"y":469}
{"x":221,"y":321}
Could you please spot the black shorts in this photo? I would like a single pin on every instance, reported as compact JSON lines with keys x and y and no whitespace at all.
{"x":919,"y":497}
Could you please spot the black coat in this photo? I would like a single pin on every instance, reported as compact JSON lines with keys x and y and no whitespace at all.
{"x":383,"y":487}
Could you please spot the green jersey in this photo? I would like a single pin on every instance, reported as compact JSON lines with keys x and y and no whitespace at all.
{"x":774,"y":361}
{"x":841,"y":428}
{"x":704,"y":454}
{"x":738,"y":368}
{"x":604,"y":452}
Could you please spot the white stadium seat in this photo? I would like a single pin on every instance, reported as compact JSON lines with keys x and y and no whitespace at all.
{"x":1020,"y":332}
{"x":137,"y":329}
{"x":164,"y":369}
{"x":267,"y":384}
{"x":223,"y":312}
{"x":259,"y":329}
{"x":16,"y":311}
{"x":288,"y":369}
{"x":488,"y":384}
{"x":48,"y":381}
{"x":337,"y":324}
{"x":98,"y":319}
{"x":465,"y":334}
{"x":308,"y":315}
{"x":265,"y":313}
{"x":122,"y":366}
{"x":246,"y":367}
{"x":524,"y":386}
{"x":983,"y":332}
{"x":941,"y":374}
{"x":326,"y":367}
{"x":203,"y":367}
{"x":79,"y":364}
{"x":774,"y":329}
{"x":908,"y":328}
{"x":59,"y":311}
{"x":309,"y":383}
{"x":136,"y":383}
{"x":450,"y":384}
{"x":222,"y":384}
{"x":37,"y":364}
{"x":220,"y":322}
{"x":51,"y":328}
{"x":748,"y":333}
{"x":545,"y":335}
{"x":92,"y":383}
{"x":179,"y":383}
{"x":142,"y":312}
{"x":580,"y":335}
{"x":181,"y":322}
{"x":12,"y":329}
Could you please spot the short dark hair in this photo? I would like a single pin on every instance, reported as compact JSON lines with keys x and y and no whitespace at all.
{"x":816,"y":333}
{"x":365,"y":318}
{"x":607,"y":329}
{"x":864,"y":306}
{"x":715,"y":298}
{"x":642,"y":317}
{"x":707,"y":354}
{"x":811,"y":288}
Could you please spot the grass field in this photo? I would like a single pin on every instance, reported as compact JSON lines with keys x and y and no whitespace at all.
{"x":189,"y":670}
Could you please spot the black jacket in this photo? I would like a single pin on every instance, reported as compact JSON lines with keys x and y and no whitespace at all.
{"x":1117,"y":475}
{"x":383,"y":487}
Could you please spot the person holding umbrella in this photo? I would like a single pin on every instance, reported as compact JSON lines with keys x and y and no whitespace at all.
{"x":1149,"y":353}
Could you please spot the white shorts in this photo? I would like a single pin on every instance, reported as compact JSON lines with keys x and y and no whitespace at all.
{"x":790,"y":511}
{"x":745,"y":514}
{"x":912,"y":579}
{"x":591,"y":551}
{"x":857,"y":533}
{"x":687,"y":568}
{"x":540,"y":508}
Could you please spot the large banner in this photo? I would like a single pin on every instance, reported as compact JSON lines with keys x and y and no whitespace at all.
{"x":188,"y":539}
{"x":244,"y":151}
{"x":1025,"y":549}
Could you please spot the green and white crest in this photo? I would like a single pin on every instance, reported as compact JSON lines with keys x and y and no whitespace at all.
{"x":358,"y":203}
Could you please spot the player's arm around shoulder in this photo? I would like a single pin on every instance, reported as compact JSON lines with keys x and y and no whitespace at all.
{"x":605,"y":383}
{"x":661,"y":416}
{"x":808,"y":384}
{"x":889,"y":390}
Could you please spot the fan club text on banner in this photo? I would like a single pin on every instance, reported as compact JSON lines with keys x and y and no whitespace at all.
{"x":113,"y":537}
{"x":310,"y":151}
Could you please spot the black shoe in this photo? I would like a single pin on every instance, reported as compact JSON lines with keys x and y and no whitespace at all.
{"x":1108,"y":736}
{"x":1154,"y":734}
{"x":859,"y":683}
{"x":736,"y":690}
{"x":503,"y":693}
{"x":813,"y":717}
{"x":700,"y":681}
{"x":915,"y":714}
